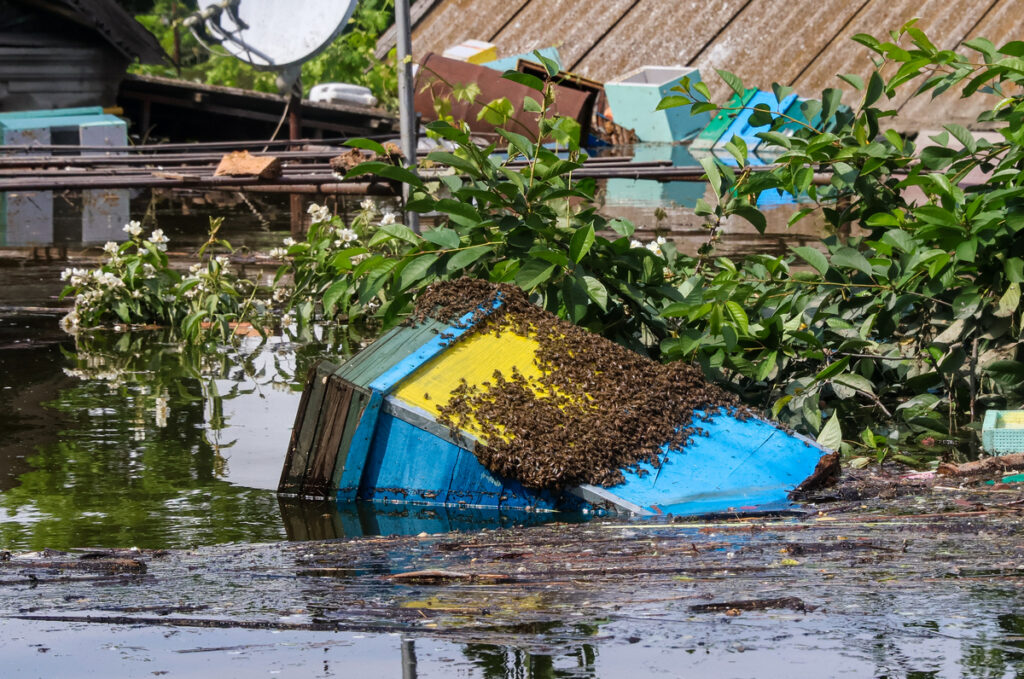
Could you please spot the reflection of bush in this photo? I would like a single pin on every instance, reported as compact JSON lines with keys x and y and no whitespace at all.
{"x":142,"y":457}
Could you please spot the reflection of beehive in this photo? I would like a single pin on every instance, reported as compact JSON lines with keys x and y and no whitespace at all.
{"x":417,"y":416}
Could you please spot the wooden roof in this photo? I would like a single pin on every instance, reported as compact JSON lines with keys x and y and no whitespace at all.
{"x":803,"y":43}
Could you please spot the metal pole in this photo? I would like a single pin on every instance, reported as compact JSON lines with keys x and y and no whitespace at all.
{"x":406,"y":112}
{"x":295,"y":132}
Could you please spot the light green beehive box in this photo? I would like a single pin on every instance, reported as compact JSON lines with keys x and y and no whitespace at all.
{"x":1003,"y":432}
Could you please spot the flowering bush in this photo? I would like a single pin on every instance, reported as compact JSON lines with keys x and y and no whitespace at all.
{"x":326,"y":266}
{"x":137,"y":286}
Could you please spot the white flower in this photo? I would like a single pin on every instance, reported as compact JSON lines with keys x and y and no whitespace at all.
{"x":148,"y":269}
{"x":635,"y":243}
{"x":347,"y":235}
{"x":110,"y":247}
{"x":655,"y":245}
{"x":388,"y":218}
{"x":358,"y":258}
{"x":278,"y":253}
{"x":288,"y":242}
{"x":223,"y":262}
{"x":281,"y":293}
{"x":286,"y":320}
{"x":195,"y":268}
{"x":368,"y":205}
{"x":158,"y":239}
{"x":319,"y":213}
{"x":133,"y":228}
{"x":161,"y":411}
{"x":69,"y":323}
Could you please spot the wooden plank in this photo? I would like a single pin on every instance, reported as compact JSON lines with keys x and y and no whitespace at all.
{"x":357,"y":408}
{"x":333,"y":417}
{"x":305,"y":427}
{"x":285,"y":484}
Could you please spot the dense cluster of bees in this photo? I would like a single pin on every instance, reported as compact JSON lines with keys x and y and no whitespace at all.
{"x":596,"y":409}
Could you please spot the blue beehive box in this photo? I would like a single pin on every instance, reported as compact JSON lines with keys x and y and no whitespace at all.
{"x":369,"y":429}
{"x":1002,"y":432}
{"x":634,"y":100}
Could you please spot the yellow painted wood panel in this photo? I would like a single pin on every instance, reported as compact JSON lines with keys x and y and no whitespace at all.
{"x":473,"y":359}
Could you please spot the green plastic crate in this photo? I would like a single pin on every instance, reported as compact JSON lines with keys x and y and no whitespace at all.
{"x":1003,"y":432}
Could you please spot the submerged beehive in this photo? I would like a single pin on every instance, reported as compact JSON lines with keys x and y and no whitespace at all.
{"x":486,"y":400}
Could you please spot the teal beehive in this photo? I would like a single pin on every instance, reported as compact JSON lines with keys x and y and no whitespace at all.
{"x":634,"y":100}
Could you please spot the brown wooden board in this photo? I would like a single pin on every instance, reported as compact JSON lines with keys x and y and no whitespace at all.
{"x":305,"y":426}
{"x":355,"y":414}
{"x":330,"y":429}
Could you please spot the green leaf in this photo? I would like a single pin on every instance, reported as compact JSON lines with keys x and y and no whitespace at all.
{"x":831,"y":435}
{"x":1014,"y":268}
{"x":531,"y":105}
{"x":761,"y":115}
{"x":550,"y":65}
{"x":1010,"y":300}
{"x":518,"y":142}
{"x":533,"y":273}
{"x":386,"y":170}
{"x":855,"y":381}
{"x":738,"y":316}
{"x":531,"y":81}
{"x":581,"y":242}
{"x":368,"y":144}
{"x":496,"y":112}
{"x":732,"y":81}
{"x":813,"y":257}
{"x":830,"y":99}
{"x":710,"y":166}
{"x":597,"y":292}
{"x":752,"y":215}
{"x":832,"y":369}
{"x":333,"y":294}
{"x":415,"y":271}
{"x":738,"y":148}
{"x":671,"y":101}
{"x":765,"y":365}
{"x":848,"y":257}
{"x":463,"y":258}
{"x":454,"y":161}
{"x":399,"y":231}
{"x":854,"y":80}
{"x":575,"y":298}
{"x":962,"y":135}
{"x":459,"y":211}
{"x":442,"y":237}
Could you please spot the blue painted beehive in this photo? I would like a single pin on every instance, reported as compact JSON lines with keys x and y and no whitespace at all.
{"x":372,"y":429}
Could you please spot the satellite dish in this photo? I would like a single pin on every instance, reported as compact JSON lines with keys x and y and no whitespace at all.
{"x":271,"y":34}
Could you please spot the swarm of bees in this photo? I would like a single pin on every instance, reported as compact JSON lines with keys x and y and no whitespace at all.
{"x":596,"y":409}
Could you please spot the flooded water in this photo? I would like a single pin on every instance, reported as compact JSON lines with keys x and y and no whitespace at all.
{"x":130,"y":440}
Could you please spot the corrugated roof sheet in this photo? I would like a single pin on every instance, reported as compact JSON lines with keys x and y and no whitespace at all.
{"x":803,"y":43}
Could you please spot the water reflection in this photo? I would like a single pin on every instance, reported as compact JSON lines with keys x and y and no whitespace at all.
{"x":130,"y":439}
{"x":326,"y":520}
{"x":147,"y":442}
{"x":41,"y":218}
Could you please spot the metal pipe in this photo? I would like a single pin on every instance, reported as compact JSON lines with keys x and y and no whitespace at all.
{"x":406,"y":111}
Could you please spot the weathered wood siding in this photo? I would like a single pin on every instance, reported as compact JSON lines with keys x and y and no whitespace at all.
{"x":803,"y":43}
